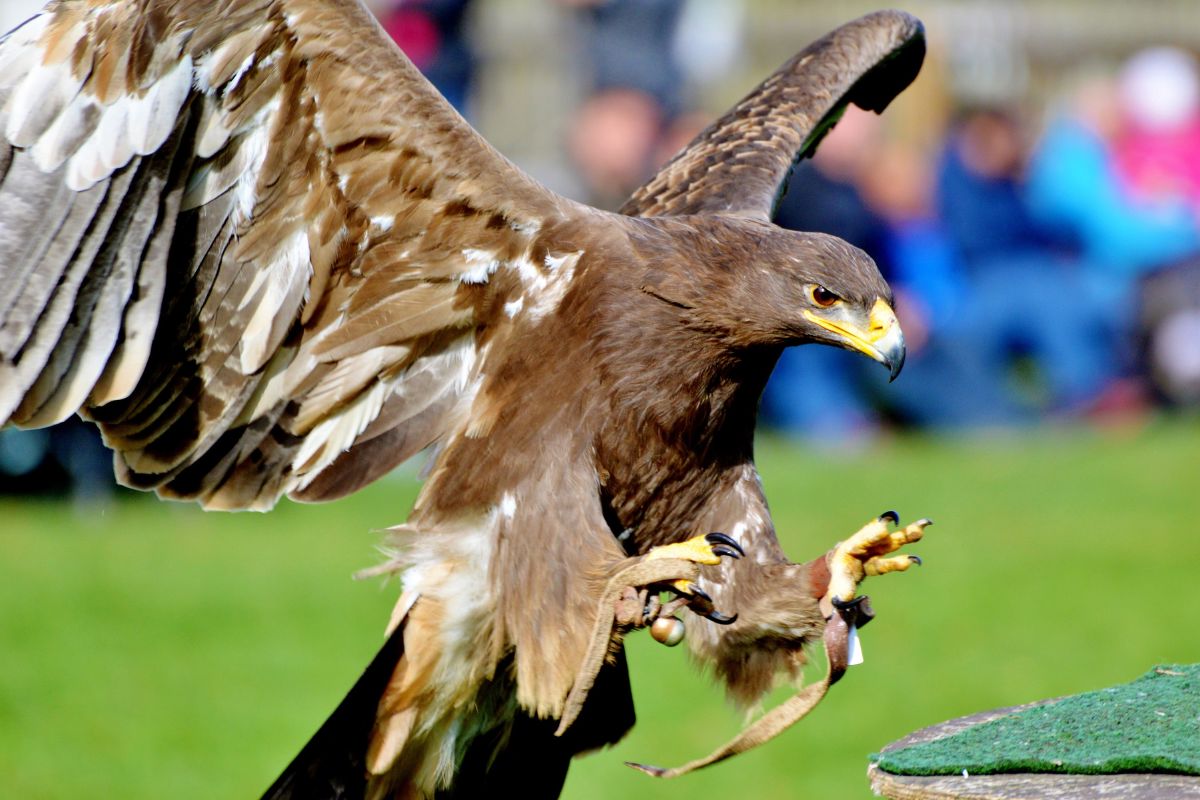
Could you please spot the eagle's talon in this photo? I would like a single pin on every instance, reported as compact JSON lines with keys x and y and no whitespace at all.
{"x":707,"y":549}
{"x":846,"y":605}
{"x":866,"y":553}
{"x":700,"y":602}
{"x":693,"y":590}
{"x":724,"y":545}
{"x":722,"y":550}
{"x":882,"y":566}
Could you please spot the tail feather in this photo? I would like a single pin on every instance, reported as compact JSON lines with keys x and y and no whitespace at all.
{"x":521,"y":755}
{"x":332,"y":766}
{"x":529,"y":761}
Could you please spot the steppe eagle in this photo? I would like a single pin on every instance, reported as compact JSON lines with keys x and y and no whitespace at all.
{"x":250,"y":242}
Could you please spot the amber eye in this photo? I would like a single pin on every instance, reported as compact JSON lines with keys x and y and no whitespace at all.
{"x":822,"y":296}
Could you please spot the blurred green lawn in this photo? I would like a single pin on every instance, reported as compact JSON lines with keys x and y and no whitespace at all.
{"x":152,"y":650}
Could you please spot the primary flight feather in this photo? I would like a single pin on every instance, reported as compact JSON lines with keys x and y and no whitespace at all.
{"x":252,"y":244}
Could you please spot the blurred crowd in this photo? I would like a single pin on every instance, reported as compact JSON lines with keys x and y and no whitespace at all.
{"x":1043,"y":267}
{"x":1045,"y":258}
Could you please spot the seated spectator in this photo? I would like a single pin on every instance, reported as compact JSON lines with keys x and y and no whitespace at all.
{"x":1028,"y":296}
{"x":946,"y":384}
{"x":1117,"y":171}
{"x":634,"y":98}
{"x":1075,"y":186}
{"x":1158,"y":158}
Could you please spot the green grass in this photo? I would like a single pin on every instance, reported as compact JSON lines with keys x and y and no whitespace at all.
{"x":153,"y":650}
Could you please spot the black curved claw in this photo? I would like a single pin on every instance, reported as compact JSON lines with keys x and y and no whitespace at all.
{"x":926,"y":521}
{"x":721,"y":619}
{"x":890,"y":516}
{"x":843,"y":605}
{"x":724,"y":545}
{"x":697,"y":592}
{"x":916,"y":560}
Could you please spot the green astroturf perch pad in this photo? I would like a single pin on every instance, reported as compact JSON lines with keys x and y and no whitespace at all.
{"x":1151,"y":724}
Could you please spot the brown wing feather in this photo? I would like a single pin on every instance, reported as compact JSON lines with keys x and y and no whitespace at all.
{"x":739,"y":164}
{"x":245,"y":238}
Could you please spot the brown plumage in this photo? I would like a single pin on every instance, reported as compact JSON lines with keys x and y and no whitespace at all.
{"x":253,"y":244}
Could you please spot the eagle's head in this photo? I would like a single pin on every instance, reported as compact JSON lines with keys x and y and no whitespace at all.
{"x":823,"y":289}
{"x":753,"y":284}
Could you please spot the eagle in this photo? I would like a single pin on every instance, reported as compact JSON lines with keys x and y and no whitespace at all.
{"x":252,"y":244}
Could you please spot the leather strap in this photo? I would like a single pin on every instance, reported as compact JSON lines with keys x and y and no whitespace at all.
{"x":856,"y":613}
{"x":639,"y":573}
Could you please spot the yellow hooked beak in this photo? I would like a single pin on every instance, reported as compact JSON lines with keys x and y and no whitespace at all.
{"x":881,"y":337}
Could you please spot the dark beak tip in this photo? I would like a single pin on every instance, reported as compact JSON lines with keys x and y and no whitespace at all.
{"x":894,"y":365}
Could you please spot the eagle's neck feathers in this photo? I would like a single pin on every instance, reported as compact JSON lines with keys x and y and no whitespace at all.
{"x":682,"y":394}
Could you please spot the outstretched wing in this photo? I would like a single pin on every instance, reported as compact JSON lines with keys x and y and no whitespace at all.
{"x":248,"y":239}
{"x":740,"y":163}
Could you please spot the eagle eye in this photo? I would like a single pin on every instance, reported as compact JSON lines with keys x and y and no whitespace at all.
{"x":822,"y":296}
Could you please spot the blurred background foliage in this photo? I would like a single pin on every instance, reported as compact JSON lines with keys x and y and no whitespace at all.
{"x":1035,"y":199}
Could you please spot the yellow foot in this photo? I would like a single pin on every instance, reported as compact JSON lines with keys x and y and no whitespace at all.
{"x":865,"y":553}
{"x":630,"y":601}
{"x":707,"y":549}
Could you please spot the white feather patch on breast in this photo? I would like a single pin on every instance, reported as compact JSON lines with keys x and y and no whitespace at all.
{"x":238,"y":74}
{"x":508,"y":505}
